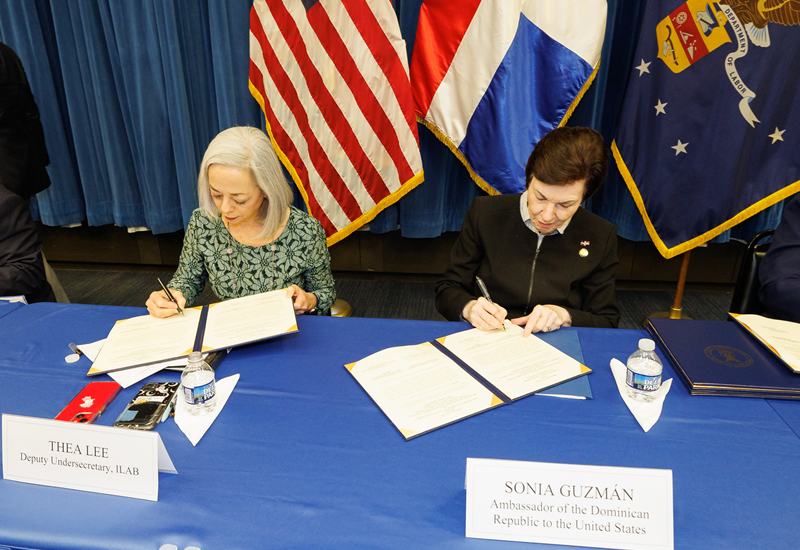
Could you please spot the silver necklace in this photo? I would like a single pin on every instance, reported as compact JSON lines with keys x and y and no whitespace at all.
{"x":229,"y":250}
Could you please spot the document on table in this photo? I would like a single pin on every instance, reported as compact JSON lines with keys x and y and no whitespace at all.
{"x":781,"y":337}
{"x":420,"y":388}
{"x":128,"y":377}
{"x":514,"y":365}
{"x":248,"y":319}
{"x":145,"y":340}
{"x":429,"y":385}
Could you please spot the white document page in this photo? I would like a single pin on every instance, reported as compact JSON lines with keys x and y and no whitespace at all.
{"x":782,"y":336}
{"x":248,"y":319}
{"x":128,"y":377}
{"x":419,"y":388}
{"x":147,"y":339}
{"x":515,"y":365}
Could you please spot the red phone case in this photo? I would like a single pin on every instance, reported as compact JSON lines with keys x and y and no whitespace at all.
{"x":90,"y":403}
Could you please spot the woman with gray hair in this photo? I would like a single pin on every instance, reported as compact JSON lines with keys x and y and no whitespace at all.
{"x":246,"y":237}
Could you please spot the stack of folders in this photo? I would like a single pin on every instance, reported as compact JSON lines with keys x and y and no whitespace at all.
{"x":723,"y":358}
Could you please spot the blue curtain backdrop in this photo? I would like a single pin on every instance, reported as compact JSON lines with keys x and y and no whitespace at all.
{"x":132,"y":91}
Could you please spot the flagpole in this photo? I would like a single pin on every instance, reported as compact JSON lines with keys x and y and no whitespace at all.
{"x":675,"y":310}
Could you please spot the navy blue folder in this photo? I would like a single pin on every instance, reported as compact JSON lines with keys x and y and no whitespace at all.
{"x":568,"y":342}
{"x":722,"y":358}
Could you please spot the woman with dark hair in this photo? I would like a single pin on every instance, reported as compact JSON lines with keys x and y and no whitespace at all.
{"x":546,"y":262}
{"x":246,"y":238}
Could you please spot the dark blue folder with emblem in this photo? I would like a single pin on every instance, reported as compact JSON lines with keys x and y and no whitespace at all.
{"x":721,"y":358}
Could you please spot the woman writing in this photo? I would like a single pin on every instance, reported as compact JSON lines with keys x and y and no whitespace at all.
{"x":546,"y":261}
{"x":246,"y":238}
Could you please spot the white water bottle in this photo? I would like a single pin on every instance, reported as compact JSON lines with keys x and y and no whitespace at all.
{"x":644,"y":372}
{"x":199,"y":389}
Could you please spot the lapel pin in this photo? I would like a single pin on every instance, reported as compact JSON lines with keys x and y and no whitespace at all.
{"x":583,"y":253}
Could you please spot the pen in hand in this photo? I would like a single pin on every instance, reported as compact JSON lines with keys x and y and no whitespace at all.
{"x":171,"y":298}
{"x":485,"y":293}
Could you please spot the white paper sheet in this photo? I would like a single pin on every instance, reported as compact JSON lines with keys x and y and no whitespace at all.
{"x":248,"y":319}
{"x":515,"y":365}
{"x":419,"y":388}
{"x":146,"y":339}
{"x":782,"y":336}
{"x":128,"y":377}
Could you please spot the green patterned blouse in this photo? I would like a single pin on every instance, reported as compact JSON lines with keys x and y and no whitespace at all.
{"x":299,"y":256}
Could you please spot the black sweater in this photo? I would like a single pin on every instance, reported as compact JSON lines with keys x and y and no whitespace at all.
{"x":496,"y":245}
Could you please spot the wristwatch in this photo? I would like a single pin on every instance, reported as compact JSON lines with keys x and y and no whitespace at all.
{"x":316,"y":301}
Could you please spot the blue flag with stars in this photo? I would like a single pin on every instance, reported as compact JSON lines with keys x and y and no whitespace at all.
{"x":708,"y":132}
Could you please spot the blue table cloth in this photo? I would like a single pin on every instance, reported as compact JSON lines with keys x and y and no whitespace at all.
{"x":301,"y":457}
{"x":7,"y":307}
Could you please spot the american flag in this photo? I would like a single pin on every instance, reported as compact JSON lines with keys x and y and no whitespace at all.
{"x":332,"y":79}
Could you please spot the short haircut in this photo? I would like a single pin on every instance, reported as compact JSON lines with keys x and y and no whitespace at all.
{"x":569,"y":154}
{"x":248,"y":149}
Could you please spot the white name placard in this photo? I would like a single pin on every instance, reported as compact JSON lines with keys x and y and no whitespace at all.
{"x":597,"y":506}
{"x":99,"y":459}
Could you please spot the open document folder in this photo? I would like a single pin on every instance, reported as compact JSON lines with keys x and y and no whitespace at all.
{"x":146,"y":339}
{"x":780,"y":337}
{"x":424,"y":387}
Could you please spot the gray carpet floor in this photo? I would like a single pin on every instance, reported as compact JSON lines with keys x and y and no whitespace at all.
{"x":388,"y":299}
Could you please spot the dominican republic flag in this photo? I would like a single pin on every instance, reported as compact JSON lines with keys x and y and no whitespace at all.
{"x":491,"y":77}
{"x":709,"y":132}
{"x":332,"y":79}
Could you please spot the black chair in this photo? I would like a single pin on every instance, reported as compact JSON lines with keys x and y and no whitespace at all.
{"x":745,"y":296}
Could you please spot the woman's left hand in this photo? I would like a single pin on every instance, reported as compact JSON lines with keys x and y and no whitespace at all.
{"x":544,"y":318}
{"x":303,"y":301}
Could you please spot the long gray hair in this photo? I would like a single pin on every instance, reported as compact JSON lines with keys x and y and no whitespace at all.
{"x":248,"y":149}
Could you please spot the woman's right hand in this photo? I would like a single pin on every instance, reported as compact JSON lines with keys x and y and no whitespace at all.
{"x":159,"y":305}
{"x":483,"y":314}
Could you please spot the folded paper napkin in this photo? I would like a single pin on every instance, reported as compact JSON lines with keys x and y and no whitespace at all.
{"x":645,"y":413}
{"x":195,"y":426}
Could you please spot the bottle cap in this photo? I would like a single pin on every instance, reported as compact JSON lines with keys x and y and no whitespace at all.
{"x":647,"y":344}
{"x":195,"y":356}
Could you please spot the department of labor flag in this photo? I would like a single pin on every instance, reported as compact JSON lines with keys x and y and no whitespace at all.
{"x":491,"y":77}
{"x":708,"y":133}
{"x":332,"y":79}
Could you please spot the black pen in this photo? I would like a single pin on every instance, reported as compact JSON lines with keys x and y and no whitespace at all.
{"x":485,"y":293}
{"x":171,"y":298}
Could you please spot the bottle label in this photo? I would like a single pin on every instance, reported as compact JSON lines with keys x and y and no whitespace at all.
{"x":199,"y":394}
{"x":643,"y":382}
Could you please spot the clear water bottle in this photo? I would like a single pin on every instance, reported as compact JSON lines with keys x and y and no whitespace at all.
{"x":644,"y":372}
{"x":199,"y":389}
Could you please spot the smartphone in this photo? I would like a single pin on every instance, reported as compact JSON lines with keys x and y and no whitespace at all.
{"x":151,"y":405}
{"x":89,"y":404}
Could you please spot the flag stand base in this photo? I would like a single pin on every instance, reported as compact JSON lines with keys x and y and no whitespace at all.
{"x":675,"y":311}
